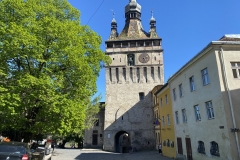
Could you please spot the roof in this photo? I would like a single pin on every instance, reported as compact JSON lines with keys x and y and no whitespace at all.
{"x":133,"y":30}
{"x":164,"y":86}
{"x":230,"y":37}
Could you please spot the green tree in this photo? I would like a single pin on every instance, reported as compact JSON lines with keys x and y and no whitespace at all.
{"x":50,"y":64}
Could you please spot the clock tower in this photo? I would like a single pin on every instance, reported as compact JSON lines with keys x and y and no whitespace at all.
{"x":136,"y":68}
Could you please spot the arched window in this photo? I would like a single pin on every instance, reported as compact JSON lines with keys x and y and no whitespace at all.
{"x":172,"y":144}
{"x":214,"y":149}
{"x":201,"y":147}
{"x":168,"y":142}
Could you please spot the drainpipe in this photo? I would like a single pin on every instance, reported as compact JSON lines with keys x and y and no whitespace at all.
{"x":230,"y":100}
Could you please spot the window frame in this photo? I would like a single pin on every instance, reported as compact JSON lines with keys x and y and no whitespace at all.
{"x":205,"y":76}
{"x":168,"y":119}
{"x":163,"y":121}
{"x":184,"y":114}
{"x":197,"y":112}
{"x":141,"y":96}
{"x":192,"y":84}
{"x":177,"y":117}
{"x":214,"y":150}
{"x":236,"y":67}
{"x":174,"y":94}
{"x":166,"y":99}
{"x":210,"y":110}
{"x":201,"y":147}
{"x":180,"y":90}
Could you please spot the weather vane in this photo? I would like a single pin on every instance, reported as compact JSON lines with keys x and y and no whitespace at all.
{"x":113,"y":14}
{"x":152,"y":12}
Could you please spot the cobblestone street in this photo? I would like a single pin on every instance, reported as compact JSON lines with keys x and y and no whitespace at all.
{"x":91,"y":154}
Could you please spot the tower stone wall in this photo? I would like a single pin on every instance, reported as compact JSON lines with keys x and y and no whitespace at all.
{"x":137,"y":67}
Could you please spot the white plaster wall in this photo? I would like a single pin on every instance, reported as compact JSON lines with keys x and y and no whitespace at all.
{"x":205,"y":130}
{"x":230,"y":54}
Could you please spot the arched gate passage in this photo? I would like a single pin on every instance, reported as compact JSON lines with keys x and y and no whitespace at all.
{"x":122,"y":142}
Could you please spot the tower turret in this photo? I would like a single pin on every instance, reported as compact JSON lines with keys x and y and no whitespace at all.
{"x":114,"y":33}
{"x":153,"y":32}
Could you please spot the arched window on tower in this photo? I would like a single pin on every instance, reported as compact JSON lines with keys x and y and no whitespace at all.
{"x":110,"y":74}
{"x":152,"y":72}
{"x":145,"y":73}
{"x":138,"y":75}
{"x":159,"y":76}
{"x":117,"y":75}
{"x":124,"y":73}
{"x":131,"y":74}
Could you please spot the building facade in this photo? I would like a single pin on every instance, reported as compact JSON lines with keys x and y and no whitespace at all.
{"x":93,"y":137}
{"x":166,"y":125}
{"x":156,"y":113}
{"x":205,"y":98}
{"x":137,"y":66}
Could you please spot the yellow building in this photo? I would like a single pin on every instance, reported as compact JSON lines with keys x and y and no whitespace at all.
{"x":167,"y":132}
{"x":156,"y":115}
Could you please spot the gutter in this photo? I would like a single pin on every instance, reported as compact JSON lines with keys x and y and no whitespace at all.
{"x":229,"y":97}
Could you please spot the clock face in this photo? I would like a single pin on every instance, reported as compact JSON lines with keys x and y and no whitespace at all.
{"x":144,"y":58}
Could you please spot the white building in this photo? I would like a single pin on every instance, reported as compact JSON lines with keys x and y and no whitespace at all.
{"x":206,"y":102}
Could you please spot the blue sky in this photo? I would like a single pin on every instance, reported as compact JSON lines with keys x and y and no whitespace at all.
{"x":185,"y":26}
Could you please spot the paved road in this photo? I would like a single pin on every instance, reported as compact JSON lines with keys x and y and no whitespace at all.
{"x":91,"y":154}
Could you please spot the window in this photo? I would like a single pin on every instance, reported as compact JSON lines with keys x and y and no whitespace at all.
{"x":145,"y":73}
{"x":138,"y":75}
{"x":163,"y":121}
{"x":210,"y":112}
{"x":141,"y":96}
{"x":174,"y":94}
{"x":168,"y":143}
{"x":152,"y":72}
{"x":97,"y":122}
{"x":161,"y":101}
{"x":172,"y":144}
{"x":155,"y":100}
{"x":180,"y":90}
{"x":236,"y":69}
{"x":214,"y":149}
{"x":184,"y":116}
{"x":117,"y":75}
{"x":192,"y":85}
{"x":168,"y":119}
{"x":176,"y":115}
{"x":110,"y":74}
{"x":205,"y":77}
{"x":124,"y":73}
{"x":166,"y":99}
{"x":201,"y":148}
{"x":197,"y":113}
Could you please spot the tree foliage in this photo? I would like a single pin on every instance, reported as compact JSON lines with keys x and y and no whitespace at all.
{"x":49,"y":66}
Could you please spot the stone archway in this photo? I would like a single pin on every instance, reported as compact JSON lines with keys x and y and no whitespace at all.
{"x":122,"y":142}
